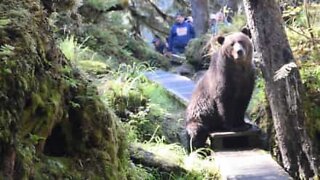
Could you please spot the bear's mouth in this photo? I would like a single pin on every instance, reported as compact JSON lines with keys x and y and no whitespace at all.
{"x":238,"y":55}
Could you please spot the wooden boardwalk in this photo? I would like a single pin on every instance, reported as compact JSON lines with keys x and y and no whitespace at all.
{"x":252,"y":164}
{"x":178,"y":86}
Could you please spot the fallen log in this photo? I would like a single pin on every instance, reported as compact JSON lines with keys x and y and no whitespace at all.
{"x":140,"y":156}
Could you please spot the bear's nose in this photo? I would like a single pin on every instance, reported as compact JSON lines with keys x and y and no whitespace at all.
{"x":240,"y":53}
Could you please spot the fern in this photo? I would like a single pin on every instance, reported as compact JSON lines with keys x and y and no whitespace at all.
{"x":72,"y":49}
{"x":6,"y":50}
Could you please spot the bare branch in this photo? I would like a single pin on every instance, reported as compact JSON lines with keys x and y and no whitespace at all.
{"x":158,"y":10}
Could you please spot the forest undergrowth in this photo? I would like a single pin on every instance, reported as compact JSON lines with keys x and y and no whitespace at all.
{"x":151,"y":118}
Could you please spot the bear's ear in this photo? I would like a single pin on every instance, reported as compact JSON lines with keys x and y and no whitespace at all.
{"x":220,"y":39}
{"x":245,"y":30}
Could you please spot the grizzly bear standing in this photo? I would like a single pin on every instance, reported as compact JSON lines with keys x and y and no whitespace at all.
{"x":221,"y":97}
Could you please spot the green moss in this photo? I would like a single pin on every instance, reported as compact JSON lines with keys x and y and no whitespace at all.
{"x":197,"y":52}
{"x":42,"y":110}
{"x":36,"y":106}
{"x":57,"y":167}
{"x":93,"y":67}
{"x":310,"y":73}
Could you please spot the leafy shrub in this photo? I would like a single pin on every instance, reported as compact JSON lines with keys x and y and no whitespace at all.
{"x":303,"y":30}
{"x":310,"y":73}
{"x":239,"y":21}
{"x":197,"y":166}
{"x":72,"y":49}
{"x":124,"y":93}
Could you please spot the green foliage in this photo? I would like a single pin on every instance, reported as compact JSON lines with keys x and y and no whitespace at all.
{"x":6,"y":50}
{"x":35,"y":139}
{"x":68,"y":47}
{"x":94,"y":67}
{"x":239,"y":21}
{"x":258,"y":96}
{"x":159,"y":101}
{"x":303,"y":30}
{"x":143,"y":52}
{"x":137,"y":171}
{"x":310,"y":73}
{"x":197,"y":167}
{"x":72,"y":50}
{"x":102,"y":4}
{"x":110,"y":43}
{"x":79,"y":54}
{"x":112,"y":40}
{"x":4,"y":22}
{"x":124,"y":93}
{"x":198,"y":52}
{"x":26,"y":154}
{"x":46,"y":92}
{"x":142,"y":107}
{"x":293,"y":15}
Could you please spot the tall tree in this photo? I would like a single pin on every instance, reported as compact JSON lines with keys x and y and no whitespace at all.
{"x":284,"y":94}
{"x":200,"y":16}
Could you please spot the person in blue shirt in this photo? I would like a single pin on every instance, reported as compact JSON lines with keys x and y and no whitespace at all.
{"x":213,"y":24}
{"x":180,"y":34}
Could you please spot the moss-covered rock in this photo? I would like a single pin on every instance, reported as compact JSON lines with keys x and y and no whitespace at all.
{"x":198,"y":52}
{"x":52,"y":123}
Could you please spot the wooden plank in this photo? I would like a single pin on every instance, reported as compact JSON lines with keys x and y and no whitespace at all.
{"x":249,"y":165}
{"x":178,"y":86}
{"x":254,"y":130}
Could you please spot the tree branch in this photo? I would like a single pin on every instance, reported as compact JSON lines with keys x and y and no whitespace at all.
{"x":158,"y":10}
{"x":148,"y":21}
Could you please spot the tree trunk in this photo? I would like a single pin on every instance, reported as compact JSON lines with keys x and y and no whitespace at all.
{"x":200,"y":16}
{"x":285,"y":95}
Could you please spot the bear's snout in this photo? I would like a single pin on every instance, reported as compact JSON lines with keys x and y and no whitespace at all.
{"x":238,"y":51}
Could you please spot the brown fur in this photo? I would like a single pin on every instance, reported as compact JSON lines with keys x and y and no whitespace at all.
{"x":221,"y":97}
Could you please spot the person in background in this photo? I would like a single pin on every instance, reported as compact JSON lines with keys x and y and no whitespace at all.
{"x":159,"y":45}
{"x":189,"y":19}
{"x":228,"y":13}
{"x":213,"y":24}
{"x":220,"y":17}
{"x":217,"y":21}
{"x":180,"y":34}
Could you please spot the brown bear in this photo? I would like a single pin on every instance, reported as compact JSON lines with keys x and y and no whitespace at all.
{"x":221,"y":96}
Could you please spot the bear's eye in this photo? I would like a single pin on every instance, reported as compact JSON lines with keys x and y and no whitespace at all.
{"x":232,"y":43}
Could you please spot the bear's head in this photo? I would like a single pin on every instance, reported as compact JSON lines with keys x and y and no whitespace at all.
{"x":236,"y":46}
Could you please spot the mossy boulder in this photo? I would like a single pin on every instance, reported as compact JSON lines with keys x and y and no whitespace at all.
{"x":198,"y":52}
{"x":52,"y":123}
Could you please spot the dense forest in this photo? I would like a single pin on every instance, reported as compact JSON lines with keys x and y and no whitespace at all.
{"x":75,"y":104}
